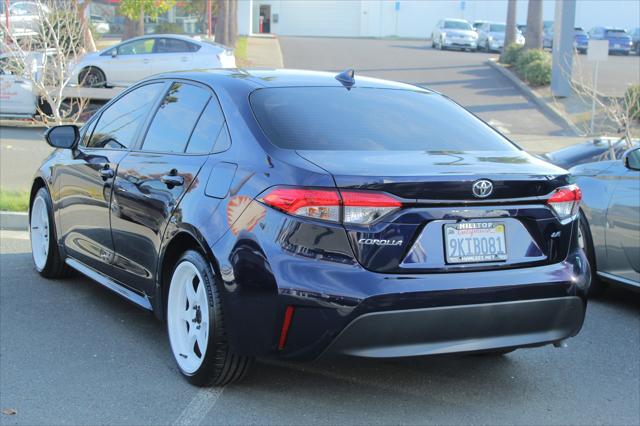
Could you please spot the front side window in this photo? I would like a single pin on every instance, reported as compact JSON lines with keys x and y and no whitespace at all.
{"x":370,"y":119}
{"x":137,"y":47}
{"x":176,"y":117}
{"x":118,"y":125}
{"x":497,"y":28}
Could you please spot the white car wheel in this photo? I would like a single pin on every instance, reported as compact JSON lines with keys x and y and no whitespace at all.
{"x":39,"y":231}
{"x":188,"y":317}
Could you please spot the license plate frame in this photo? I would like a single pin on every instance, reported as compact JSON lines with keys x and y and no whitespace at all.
{"x":469,"y":247}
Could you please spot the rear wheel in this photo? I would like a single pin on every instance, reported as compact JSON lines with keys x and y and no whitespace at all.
{"x":92,"y":77}
{"x":196,"y":327}
{"x":585,"y":242}
{"x":44,"y":246}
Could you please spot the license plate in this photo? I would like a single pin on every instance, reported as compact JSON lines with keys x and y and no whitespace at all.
{"x":472,"y":242}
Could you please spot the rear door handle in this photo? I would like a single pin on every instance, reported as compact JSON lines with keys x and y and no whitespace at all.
{"x":172,"y":180}
{"x":106,"y":172}
{"x":184,"y":59}
{"x":146,"y":61}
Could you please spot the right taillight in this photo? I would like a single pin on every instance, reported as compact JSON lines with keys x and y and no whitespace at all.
{"x":353,"y":207}
{"x":565,"y":201}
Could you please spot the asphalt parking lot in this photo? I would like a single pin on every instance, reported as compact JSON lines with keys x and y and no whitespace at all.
{"x":73,"y":353}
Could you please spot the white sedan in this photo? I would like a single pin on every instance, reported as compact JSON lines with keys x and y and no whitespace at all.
{"x":137,"y":58}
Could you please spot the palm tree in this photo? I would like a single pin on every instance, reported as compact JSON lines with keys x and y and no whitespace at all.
{"x":510,"y":36}
{"x":533,"y":38}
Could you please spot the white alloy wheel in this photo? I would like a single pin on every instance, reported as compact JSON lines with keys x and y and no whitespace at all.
{"x":39,"y":232}
{"x":188,"y":317}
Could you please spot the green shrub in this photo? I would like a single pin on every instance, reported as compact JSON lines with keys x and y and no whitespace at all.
{"x":632,"y":100}
{"x":538,"y":73}
{"x":511,"y":54}
{"x":528,"y":56}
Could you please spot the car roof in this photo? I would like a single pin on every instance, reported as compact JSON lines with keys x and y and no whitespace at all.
{"x":455,"y":20}
{"x":252,"y":79}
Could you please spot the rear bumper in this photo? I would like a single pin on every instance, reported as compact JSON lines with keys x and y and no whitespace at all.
{"x":464,"y":328}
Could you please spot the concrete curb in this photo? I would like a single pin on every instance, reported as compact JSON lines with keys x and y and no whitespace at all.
{"x":547,"y":109}
{"x":14,"y":221}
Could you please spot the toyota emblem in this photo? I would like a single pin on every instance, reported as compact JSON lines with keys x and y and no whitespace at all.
{"x":482,"y":188}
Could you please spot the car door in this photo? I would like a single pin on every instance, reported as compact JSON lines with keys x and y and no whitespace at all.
{"x":152,"y":179}
{"x":85,"y":180}
{"x":171,"y":54}
{"x":622,"y":232}
{"x":131,"y":63}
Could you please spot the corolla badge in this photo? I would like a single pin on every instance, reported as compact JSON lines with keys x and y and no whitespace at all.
{"x":379,"y":242}
{"x":482,"y":188}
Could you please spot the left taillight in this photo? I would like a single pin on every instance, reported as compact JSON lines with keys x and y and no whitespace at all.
{"x":565,"y":201}
{"x":352,"y":207}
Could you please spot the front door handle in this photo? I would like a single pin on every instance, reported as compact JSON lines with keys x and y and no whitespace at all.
{"x":106,"y":172}
{"x":184,"y":59}
{"x":146,"y":61}
{"x":172,"y":180}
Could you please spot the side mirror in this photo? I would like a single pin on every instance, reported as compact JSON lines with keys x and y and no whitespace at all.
{"x":65,"y":136}
{"x":631,"y":158}
{"x":114,"y":53}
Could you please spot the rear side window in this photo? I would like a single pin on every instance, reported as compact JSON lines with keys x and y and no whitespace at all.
{"x":175,"y":119}
{"x":368,"y":119}
{"x":172,"y":45}
{"x":119,"y":123}
{"x":207,"y":130}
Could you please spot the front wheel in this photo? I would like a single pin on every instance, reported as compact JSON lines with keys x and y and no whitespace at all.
{"x":196,"y":327}
{"x":44,"y":247}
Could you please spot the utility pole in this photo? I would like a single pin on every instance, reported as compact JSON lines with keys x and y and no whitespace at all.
{"x":209,"y":19}
{"x":533,"y":39}
{"x":562,"y":54}
{"x":510,"y":36}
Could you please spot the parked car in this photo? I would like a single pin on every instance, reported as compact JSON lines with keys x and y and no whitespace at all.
{"x":635,"y":39}
{"x":100,"y":24}
{"x":619,"y":40}
{"x":477,"y":24}
{"x":590,"y":151}
{"x":610,"y":219}
{"x":25,"y":16}
{"x":581,"y":40}
{"x":491,"y":36}
{"x":140,"y":57}
{"x":290,"y":214}
{"x":547,"y":34}
{"x":454,"y":34}
{"x":522,"y":28}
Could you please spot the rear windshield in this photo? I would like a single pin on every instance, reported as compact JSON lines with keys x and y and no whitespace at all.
{"x":497,"y":28}
{"x":457,"y":25}
{"x":616,"y":32}
{"x":368,"y":119}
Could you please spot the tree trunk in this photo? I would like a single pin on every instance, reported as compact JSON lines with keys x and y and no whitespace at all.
{"x":89,"y":43}
{"x":510,"y":36}
{"x":141,"y":21}
{"x":221,"y":22}
{"x":233,"y":23}
{"x":534,"y":25}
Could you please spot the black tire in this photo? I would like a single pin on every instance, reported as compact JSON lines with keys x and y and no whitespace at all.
{"x":433,"y":43}
{"x":55,"y":267}
{"x":220,"y":365}
{"x":92,"y":77}
{"x":597,"y":286}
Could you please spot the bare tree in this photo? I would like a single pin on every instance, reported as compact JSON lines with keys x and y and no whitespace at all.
{"x":46,"y":56}
{"x":510,"y":36}
{"x":533,"y":39}
{"x":89,"y":43}
{"x":614,"y":114}
{"x":222,"y":22}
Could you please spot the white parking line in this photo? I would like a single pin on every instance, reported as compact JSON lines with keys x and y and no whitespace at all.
{"x":202,"y":402}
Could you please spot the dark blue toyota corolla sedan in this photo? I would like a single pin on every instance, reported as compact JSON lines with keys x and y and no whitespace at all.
{"x":292,"y":214}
